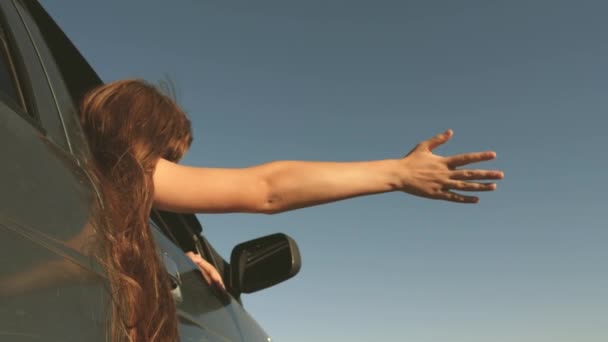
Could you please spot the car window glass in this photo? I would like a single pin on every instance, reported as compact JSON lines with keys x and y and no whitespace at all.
{"x":69,"y":74}
{"x":9,"y":91}
{"x":47,"y":294}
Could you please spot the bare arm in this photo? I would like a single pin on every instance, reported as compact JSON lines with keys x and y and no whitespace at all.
{"x":286,"y":185}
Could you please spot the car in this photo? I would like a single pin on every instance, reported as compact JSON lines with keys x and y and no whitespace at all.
{"x":51,"y":291}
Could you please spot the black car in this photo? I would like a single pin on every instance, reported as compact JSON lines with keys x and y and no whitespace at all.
{"x":49,"y":290}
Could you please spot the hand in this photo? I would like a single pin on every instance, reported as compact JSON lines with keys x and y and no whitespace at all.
{"x":432,"y":176}
{"x":211,"y":275}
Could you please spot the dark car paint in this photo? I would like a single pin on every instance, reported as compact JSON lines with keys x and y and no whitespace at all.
{"x":46,"y":196}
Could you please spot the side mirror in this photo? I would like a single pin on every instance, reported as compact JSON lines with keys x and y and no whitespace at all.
{"x":263,"y":262}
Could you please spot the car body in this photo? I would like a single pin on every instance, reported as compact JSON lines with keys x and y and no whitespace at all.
{"x":46,"y":198}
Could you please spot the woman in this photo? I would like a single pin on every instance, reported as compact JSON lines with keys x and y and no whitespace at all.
{"x":137,"y":135}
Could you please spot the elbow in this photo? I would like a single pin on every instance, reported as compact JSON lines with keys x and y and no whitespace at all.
{"x":270,"y":207}
{"x":272,"y":204}
{"x":268,"y":200}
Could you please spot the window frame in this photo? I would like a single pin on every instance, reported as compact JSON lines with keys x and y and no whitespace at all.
{"x":68,"y":74}
{"x":18,"y":103}
{"x":43,"y":108}
{"x":15,"y":65}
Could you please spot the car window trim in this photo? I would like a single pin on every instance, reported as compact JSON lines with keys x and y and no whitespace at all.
{"x":20,"y":73}
{"x":47,"y":77}
{"x":6,"y":55}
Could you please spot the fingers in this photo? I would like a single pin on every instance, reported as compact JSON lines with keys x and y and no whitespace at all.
{"x":210,"y":273}
{"x":476,"y":174}
{"x":448,"y":195}
{"x":437,"y":140}
{"x":469,"y":186}
{"x":454,"y":197}
{"x":469,"y":158}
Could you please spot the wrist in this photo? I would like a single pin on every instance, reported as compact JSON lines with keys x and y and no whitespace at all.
{"x":395,"y":173}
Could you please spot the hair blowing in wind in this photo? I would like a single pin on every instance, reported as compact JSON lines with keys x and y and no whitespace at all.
{"x":129,"y":126}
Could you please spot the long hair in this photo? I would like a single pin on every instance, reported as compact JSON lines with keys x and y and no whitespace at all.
{"x":129,"y":126}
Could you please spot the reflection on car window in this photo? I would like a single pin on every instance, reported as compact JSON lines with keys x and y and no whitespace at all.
{"x":38,"y":279}
{"x":9,"y":92}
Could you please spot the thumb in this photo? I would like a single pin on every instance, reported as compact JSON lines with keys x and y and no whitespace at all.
{"x":437,"y":140}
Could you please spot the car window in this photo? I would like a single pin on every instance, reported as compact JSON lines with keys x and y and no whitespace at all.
{"x":186,"y":232}
{"x":199,"y":304}
{"x":37,"y":283}
{"x":48,"y":80}
{"x":10,"y":92}
{"x":70,"y":76}
{"x":42,"y":102}
{"x":45,"y":203}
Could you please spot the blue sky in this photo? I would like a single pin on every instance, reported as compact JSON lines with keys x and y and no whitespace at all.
{"x":361,"y":80}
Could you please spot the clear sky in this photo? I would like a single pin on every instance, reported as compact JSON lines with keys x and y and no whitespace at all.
{"x":361,"y":80}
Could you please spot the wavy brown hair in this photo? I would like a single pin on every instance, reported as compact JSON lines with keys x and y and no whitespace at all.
{"x":130,"y":125}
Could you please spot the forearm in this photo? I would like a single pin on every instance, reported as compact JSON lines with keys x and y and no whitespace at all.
{"x":297,"y":184}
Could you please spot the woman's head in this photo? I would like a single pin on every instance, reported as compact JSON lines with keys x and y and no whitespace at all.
{"x":130,"y":125}
{"x":132,"y":116}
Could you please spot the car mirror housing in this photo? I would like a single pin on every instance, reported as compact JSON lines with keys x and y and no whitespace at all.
{"x":263,"y":262}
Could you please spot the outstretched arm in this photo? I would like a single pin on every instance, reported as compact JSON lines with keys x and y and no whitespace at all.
{"x":285,"y":185}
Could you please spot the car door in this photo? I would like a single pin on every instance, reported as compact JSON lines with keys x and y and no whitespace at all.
{"x":200,"y":304}
{"x":67,"y":77}
{"x":49,"y":290}
{"x":200,"y":307}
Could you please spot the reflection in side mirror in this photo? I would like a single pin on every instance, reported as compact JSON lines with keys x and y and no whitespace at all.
{"x":263,"y":262}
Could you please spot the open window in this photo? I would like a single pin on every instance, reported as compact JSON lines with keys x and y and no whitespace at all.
{"x":185,"y":231}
